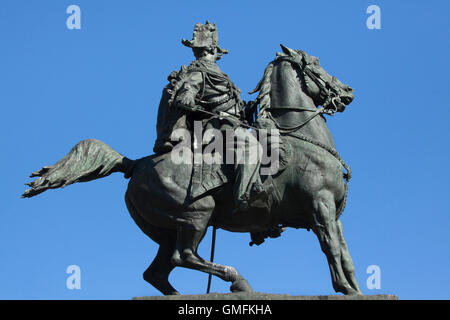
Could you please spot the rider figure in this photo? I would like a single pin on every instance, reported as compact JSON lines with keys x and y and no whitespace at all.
{"x":203,"y":86}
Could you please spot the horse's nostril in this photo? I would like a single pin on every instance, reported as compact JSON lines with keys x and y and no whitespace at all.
{"x":347,"y":99}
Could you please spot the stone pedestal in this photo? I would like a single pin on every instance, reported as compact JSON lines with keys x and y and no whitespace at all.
{"x":264,"y":296}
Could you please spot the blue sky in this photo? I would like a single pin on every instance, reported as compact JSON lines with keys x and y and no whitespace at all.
{"x":60,"y":86}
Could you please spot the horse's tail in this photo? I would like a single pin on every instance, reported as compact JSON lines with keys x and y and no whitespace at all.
{"x":89,"y":160}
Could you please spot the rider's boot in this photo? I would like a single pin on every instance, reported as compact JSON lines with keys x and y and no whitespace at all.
{"x":258,"y":197}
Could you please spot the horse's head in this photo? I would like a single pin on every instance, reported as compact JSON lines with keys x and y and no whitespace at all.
{"x":323,"y":88}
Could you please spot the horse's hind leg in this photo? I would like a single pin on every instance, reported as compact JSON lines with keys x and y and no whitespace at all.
{"x":189,"y":235}
{"x":157,"y":274}
{"x":326,"y":229}
{"x":346,"y":259}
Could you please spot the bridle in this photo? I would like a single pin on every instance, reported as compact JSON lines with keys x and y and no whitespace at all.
{"x":329,"y":107}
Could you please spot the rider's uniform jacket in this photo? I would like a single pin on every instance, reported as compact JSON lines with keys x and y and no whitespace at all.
{"x":205,"y":86}
{"x":201,"y":85}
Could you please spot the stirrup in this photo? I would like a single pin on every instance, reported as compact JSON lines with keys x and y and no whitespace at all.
{"x":259,"y":200}
{"x":242,"y":207}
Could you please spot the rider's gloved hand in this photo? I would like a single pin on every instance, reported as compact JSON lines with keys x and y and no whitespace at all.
{"x":187,"y":102}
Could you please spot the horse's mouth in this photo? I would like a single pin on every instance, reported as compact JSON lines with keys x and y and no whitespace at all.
{"x":347,"y":99}
{"x":347,"y":96}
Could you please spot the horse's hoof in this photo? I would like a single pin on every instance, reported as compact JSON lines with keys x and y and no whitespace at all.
{"x":240,"y":285}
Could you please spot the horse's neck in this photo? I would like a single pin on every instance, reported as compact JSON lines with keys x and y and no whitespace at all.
{"x":288,"y":91}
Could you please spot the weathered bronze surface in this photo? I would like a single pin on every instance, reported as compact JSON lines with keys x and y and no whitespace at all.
{"x":175,"y":203}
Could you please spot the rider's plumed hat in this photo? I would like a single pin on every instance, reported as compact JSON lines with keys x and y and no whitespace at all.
{"x":205,"y":36}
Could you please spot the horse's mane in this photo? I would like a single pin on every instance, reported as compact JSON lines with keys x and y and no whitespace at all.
{"x":264,"y":85}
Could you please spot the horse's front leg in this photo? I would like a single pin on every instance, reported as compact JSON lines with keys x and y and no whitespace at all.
{"x":190,"y":231}
{"x":347,"y":262}
{"x":326,"y":228}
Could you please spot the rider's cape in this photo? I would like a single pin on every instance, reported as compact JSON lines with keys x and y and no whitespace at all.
{"x":169,"y":118}
{"x":205,"y":176}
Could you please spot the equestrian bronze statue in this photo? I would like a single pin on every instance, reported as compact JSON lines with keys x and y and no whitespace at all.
{"x":174,"y":195}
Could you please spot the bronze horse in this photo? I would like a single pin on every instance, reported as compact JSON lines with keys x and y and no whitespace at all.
{"x":312,"y":187}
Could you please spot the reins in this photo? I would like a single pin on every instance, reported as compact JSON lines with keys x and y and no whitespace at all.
{"x":286,"y":130}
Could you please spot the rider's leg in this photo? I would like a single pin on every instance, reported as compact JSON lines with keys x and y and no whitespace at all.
{"x":247,"y":161}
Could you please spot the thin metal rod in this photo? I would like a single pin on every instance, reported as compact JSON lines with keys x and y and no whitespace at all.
{"x":213,"y":248}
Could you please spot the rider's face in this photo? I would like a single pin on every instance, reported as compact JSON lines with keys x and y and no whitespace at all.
{"x":210,"y":54}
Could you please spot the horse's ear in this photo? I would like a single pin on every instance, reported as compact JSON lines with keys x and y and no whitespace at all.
{"x":288,"y":51}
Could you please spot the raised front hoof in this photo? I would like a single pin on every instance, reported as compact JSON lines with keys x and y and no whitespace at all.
{"x":240,"y":285}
